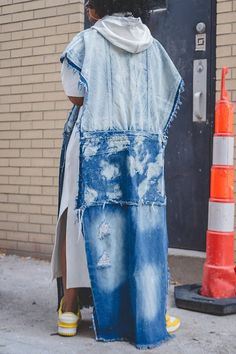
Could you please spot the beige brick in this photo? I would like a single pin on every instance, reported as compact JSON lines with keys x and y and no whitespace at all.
{"x":32,"y":78}
{"x":67,"y":9}
{"x":44,"y":200}
{"x":19,"y":162}
{"x":51,"y":153}
{"x":53,"y":134}
{"x":12,"y":8}
{"x":9,"y":153}
{"x":47,"y":49}
{"x":41,"y":162}
{"x":58,"y":20}
{"x":18,"y":217}
{"x":31,"y":116}
{"x":59,"y":38}
{"x":8,"y":244}
{"x":11,"y":63}
{"x":47,"y":229}
{"x":9,"y":171}
{"x":29,"y":227}
{"x":17,"y":236}
{"x":19,"y":180}
{"x":20,"y":143}
{"x":10,"y":80}
{"x":56,"y":2}
{"x":43,"y":125}
{"x":8,"y":189}
{"x":50,"y":12}
{"x":33,"y":42}
{"x":4,"y":144}
{"x":38,"y":23}
{"x":32,"y":60}
{"x":33,"y":97}
{"x":20,"y":107}
{"x":11,"y":27}
{"x":40,"y":238}
{"x":30,"y":209}
{"x":4,"y":162}
{"x":229,"y":17}
{"x":49,"y":210}
{"x":42,"y":143}
{"x":31,"y":189}
{"x":30,"y":171}
{"x":35,"y":134}
{"x":50,"y":172}
{"x":11,"y":99}
{"x":21,"y":89}
{"x":44,"y":87}
{"x":225,"y":6}
{"x":44,"y":68}
{"x":49,"y":191}
{"x":42,"y":181}
{"x":45,"y":31}
{"x":5,"y":37}
{"x":18,"y":199}
{"x":8,"y":225}
{"x":78,"y":18}
{"x":11,"y":45}
{"x":43,"y":106}
{"x":32,"y":5}
{"x":22,"y":34}
{"x":42,"y":219}
{"x":3,"y":217}
{"x":7,"y":207}
{"x":23,"y":52}
{"x":23,"y":16}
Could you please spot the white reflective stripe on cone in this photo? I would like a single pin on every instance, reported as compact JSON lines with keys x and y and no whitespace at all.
{"x":221,"y":217}
{"x":223,"y":150}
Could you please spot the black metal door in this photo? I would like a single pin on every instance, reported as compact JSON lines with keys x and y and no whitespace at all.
{"x":189,"y":149}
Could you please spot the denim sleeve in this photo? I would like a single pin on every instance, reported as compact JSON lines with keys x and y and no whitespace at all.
{"x":70,"y":80}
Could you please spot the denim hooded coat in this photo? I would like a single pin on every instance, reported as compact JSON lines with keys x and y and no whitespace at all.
{"x":130,"y":100}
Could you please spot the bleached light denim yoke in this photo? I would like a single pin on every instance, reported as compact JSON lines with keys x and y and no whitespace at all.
{"x":130,"y":102}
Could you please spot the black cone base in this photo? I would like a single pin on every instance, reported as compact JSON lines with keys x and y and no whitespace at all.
{"x":188,"y":297}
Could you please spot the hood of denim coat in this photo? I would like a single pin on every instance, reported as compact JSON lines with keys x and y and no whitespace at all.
{"x":128,"y":33}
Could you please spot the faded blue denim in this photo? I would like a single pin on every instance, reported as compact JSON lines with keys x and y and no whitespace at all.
{"x":130,"y":101}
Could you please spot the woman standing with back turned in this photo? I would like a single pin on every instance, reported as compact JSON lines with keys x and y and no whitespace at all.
{"x":111,"y":233}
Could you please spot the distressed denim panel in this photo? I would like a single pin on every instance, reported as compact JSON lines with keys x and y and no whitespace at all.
{"x":127,"y":262}
{"x":121,"y":167}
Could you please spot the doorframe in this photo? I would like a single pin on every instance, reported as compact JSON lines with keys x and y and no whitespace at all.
{"x":212,"y":73}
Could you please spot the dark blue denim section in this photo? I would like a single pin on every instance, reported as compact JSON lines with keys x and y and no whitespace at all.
{"x":126,"y":250}
{"x":121,"y":167}
{"x":68,"y":127}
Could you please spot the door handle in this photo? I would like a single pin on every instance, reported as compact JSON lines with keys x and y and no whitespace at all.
{"x":199,"y":90}
{"x":197,"y":104}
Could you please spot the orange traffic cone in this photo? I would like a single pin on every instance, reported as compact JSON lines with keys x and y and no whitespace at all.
{"x":219,"y":277}
{"x":217,"y":295}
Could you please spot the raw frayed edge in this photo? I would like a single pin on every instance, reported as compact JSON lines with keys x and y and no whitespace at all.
{"x":174,"y":112}
{"x":76,"y":68}
{"x":155,"y":345}
{"x":126,"y":339}
{"x":79,"y":214}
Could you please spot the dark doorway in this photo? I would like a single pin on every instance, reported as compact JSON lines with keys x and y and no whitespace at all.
{"x":189,"y":149}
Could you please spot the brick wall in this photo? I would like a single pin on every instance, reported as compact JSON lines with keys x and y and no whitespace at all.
{"x":33,"y":109}
{"x":226,"y":50}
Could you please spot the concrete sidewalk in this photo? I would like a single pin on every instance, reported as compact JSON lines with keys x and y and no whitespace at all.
{"x":28,"y":319}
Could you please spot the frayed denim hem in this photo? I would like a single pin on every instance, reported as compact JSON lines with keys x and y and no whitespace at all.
{"x":138,"y":346}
